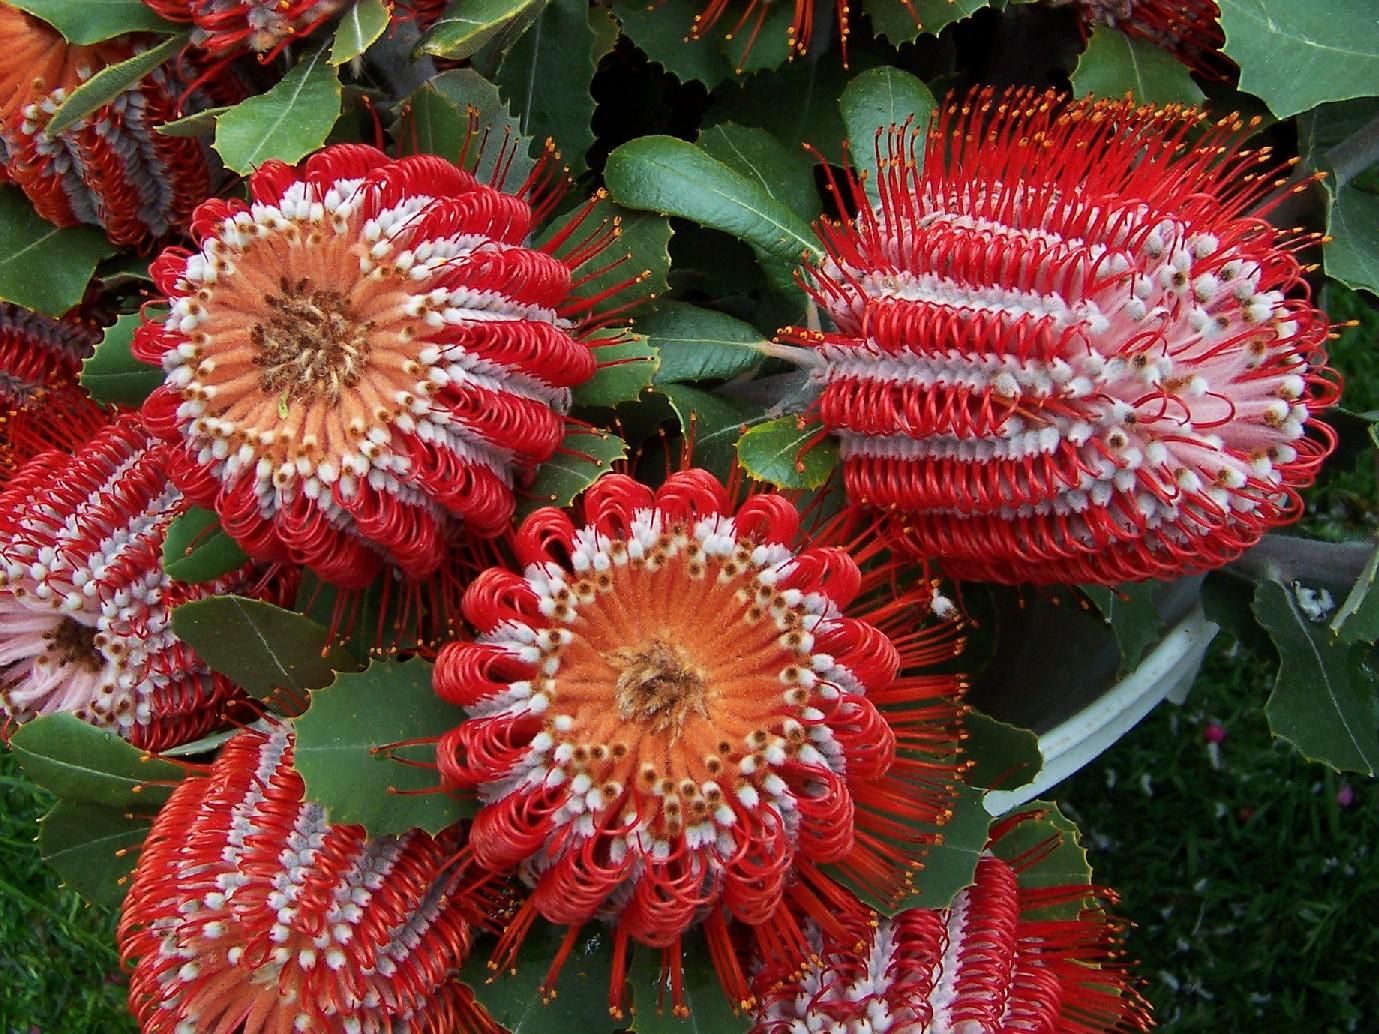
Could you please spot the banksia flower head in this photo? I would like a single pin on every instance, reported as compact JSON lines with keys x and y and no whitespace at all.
{"x":111,"y":168}
{"x":682,"y":707}
{"x":1188,"y":29}
{"x":994,"y":960}
{"x":250,"y":913}
{"x":364,"y":356}
{"x":1069,"y":349}
{"x":85,"y":604}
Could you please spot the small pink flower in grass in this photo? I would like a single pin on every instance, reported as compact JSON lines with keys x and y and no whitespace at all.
{"x":1345,"y":795}
{"x":1214,"y":732}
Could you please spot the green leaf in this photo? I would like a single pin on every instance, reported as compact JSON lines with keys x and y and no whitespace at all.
{"x":1351,"y":255}
{"x":112,"y":374}
{"x":202,"y":123}
{"x":637,"y":262}
{"x":625,"y":371}
{"x":787,"y":175}
{"x":90,"y":21}
{"x":769,"y":50}
{"x":797,"y":104}
{"x":1357,"y":620}
{"x":585,"y":456}
{"x":265,"y":649}
{"x":1004,"y":756}
{"x":78,"y":762}
{"x":716,"y":422}
{"x":514,"y":998}
{"x":873,"y":102}
{"x":949,"y":865}
{"x":898,"y":23}
{"x":467,"y":25}
{"x":196,"y":549}
{"x":339,"y":750}
{"x":93,"y":848}
{"x":110,"y":82}
{"x":1294,"y":56}
{"x":44,"y":268}
{"x":1324,"y":701}
{"x":710,"y":1012}
{"x":1129,"y":610}
{"x":775,"y":452}
{"x":700,"y":344}
{"x":436,"y":120}
{"x":660,"y":29}
{"x":358,"y":28}
{"x":670,"y":176}
{"x":545,"y":77}
{"x":1065,"y":866}
{"x":287,"y":123}
{"x":1114,"y":64}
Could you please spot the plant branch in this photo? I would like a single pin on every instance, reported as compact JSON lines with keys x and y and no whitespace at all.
{"x":1287,"y":558}
{"x":1355,"y":153}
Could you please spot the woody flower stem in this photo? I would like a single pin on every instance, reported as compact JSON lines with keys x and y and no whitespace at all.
{"x":1287,"y":558}
{"x":1355,"y":153}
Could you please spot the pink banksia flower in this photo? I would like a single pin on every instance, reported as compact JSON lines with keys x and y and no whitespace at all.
{"x":996,"y":959}
{"x":1065,"y":345}
{"x":250,"y":912}
{"x":85,"y":604}
{"x":1188,"y":29}
{"x":683,"y":706}
{"x":111,"y":168}
{"x":364,"y":358}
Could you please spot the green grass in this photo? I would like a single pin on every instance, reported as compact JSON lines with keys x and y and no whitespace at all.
{"x":1252,"y":889}
{"x":59,"y":973}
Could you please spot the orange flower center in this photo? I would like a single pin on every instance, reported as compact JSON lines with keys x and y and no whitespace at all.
{"x":311,"y":345}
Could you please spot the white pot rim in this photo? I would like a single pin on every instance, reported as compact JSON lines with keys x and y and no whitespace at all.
{"x":1074,"y":742}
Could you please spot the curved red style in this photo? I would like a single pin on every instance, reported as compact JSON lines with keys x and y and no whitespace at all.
{"x":361,"y":359}
{"x":111,"y":168}
{"x":685,"y":705}
{"x":250,"y":913}
{"x":1098,"y":367}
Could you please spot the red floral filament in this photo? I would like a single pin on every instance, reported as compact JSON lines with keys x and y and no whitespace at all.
{"x":672,"y":718}
{"x":1067,"y":347}
{"x":1188,"y":29}
{"x":111,"y":168}
{"x":364,"y":356}
{"x":250,"y":913}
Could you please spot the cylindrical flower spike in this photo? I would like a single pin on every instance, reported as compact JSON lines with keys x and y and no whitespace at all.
{"x":364,"y":357}
{"x":1188,"y":29}
{"x":993,"y":961}
{"x":251,"y":913}
{"x":1067,"y":348}
{"x":682,"y":707}
{"x":85,"y":604}
{"x":111,"y":168}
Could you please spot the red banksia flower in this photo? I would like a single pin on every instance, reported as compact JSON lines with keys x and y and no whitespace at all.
{"x":250,"y":913}
{"x":1189,"y":29}
{"x":1069,"y":349}
{"x":683,"y":707}
{"x":989,"y":962}
{"x":111,"y":168}
{"x":363,"y":356}
{"x":85,"y":604}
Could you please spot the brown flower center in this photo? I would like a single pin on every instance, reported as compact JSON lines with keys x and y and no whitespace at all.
{"x":75,"y":644}
{"x":656,"y":686}
{"x":311,"y":345}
